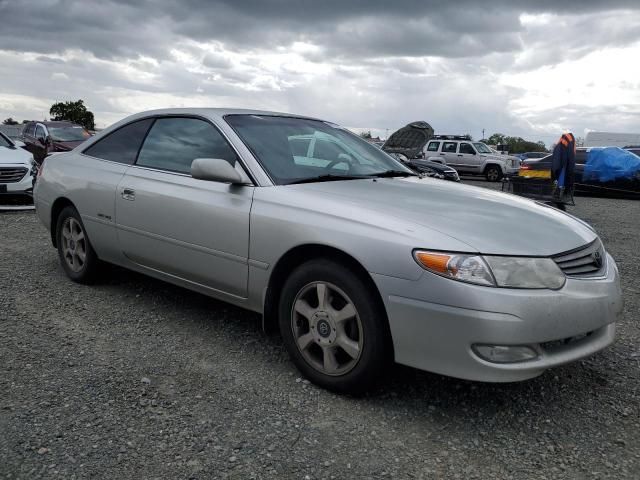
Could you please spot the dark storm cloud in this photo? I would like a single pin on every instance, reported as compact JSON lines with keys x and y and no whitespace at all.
{"x":340,"y":28}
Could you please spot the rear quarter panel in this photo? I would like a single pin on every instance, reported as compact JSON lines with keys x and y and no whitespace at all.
{"x":90,"y":185}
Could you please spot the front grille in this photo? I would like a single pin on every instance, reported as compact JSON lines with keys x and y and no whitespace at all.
{"x":559,"y":344}
{"x":583,"y":262}
{"x":12,"y":174}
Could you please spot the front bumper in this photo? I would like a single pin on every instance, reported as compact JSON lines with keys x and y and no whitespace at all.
{"x":435,"y":322}
{"x":511,"y":171}
{"x":17,"y":195}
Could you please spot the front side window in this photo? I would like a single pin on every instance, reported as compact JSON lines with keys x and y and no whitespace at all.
{"x":174,"y":143}
{"x":467,"y":148}
{"x":433,"y":146}
{"x":121,"y":145}
{"x":336,"y":151}
{"x":449,"y":147}
{"x":40,"y":132}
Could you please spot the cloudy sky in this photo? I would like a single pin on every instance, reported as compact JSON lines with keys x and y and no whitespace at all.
{"x":528,"y":68}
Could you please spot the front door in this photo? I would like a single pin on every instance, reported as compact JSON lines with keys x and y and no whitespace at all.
{"x":167,"y":221}
{"x":467,"y":158}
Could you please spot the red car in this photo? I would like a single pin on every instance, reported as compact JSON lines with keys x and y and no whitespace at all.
{"x":42,"y":138}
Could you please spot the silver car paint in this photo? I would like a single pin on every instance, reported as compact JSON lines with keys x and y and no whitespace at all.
{"x":225,"y":241}
{"x":17,"y":157}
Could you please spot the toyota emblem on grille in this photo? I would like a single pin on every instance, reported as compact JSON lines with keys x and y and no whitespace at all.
{"x":597,"y":259}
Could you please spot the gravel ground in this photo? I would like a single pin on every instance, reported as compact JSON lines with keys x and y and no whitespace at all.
{"x":135,"y":378}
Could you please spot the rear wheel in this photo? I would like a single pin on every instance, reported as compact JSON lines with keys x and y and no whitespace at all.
{"x":493,"y":173}
{"x":333,"y":327}
{"x":77,"y":257}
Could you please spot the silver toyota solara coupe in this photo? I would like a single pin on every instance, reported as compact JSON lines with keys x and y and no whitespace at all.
{"x":357,"y":260}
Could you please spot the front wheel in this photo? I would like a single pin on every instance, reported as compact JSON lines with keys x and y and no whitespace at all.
{"x":333,"y":327}
{"x":493,"y":173}
{"x":77,"y":256}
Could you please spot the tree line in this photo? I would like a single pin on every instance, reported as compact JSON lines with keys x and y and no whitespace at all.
{"x":75,"y":112}
{"x":515,"y":144}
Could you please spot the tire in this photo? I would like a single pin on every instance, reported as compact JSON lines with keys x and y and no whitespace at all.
{"x":352,"y":327}
{"x":76,"y":254}
{"x":493,"y":173}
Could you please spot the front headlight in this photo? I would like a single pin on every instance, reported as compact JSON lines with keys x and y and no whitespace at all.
{"x":458,"y":266}
{"x":493,"y":271}
{"x":526,"y":272}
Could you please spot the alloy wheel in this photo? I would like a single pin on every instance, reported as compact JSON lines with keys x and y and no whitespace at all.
{"x":74,"y":244}
{"x":327,"y":328}
{"x":493,"y":174}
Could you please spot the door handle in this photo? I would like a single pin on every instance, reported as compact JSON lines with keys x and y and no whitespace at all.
{"x":129,"y":194}
{"x":459,"y":154}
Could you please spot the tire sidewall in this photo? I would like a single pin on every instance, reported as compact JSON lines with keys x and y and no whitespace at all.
{"x":86,"y":275}
{"x":375,"y":345}
{"x":489,"y":169}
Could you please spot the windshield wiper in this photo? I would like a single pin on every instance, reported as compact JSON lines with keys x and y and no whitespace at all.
{"x":394,"y":173}
{"x":329,"y":177}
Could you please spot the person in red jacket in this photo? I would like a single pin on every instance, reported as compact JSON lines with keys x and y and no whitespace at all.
{"x":563,"y":164}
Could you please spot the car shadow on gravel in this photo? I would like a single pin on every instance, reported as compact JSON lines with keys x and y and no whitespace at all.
{"x":421,"y":390}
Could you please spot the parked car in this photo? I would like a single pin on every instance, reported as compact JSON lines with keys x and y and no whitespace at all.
{"x":469,"y":157}
{"x":357,"y":266}
{"x":635,"y":149}
{"x":621,"y":187}
{"x":531,"y":155}
{"x":430,"y":169}
{"x":42,"y":138}
{"x":17,"y":173}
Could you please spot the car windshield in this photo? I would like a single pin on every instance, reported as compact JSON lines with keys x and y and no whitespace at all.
{"x":297,"y":150}
{"x":68,"y":134}
{"x":482,"y":148}
{"x":4,"y":141}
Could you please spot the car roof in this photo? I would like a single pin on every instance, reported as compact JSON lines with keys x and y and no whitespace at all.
{"x":216,"y":112}
{"x":55,"y":123}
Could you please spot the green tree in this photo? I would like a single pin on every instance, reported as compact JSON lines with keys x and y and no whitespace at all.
{"x":74,"y":112}
{"x":496,"y":139}
{"x":9,"y":121}
{"x":467,"y":136}
{"x":366,"y":134}
{"x":516,"y":144}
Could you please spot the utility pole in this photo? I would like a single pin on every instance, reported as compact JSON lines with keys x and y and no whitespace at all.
{"x":483,"y":134}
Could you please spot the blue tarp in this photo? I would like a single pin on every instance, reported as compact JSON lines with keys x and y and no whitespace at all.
{"x":610,"y":163}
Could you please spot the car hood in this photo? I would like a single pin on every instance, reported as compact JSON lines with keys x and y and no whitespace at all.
{"x":410,"y":139}
{"x":495,"y":157}
{"x":489,"y":222}
{"x":15,"y":156}
{"x":66,"y":146}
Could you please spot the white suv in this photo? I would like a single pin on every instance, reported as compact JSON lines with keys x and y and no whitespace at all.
{"x":469,"y":157}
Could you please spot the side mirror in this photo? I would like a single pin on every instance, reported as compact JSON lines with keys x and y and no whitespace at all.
{"x":217,"y":170}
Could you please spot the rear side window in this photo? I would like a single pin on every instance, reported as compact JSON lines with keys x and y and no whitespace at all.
{"x":449,"y":147}
{"x":122,"y":145}
{"x":30,"y":130}
{"x":299,"y":146}
{"x":174,"y":143}
{"x":433,"y":146}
